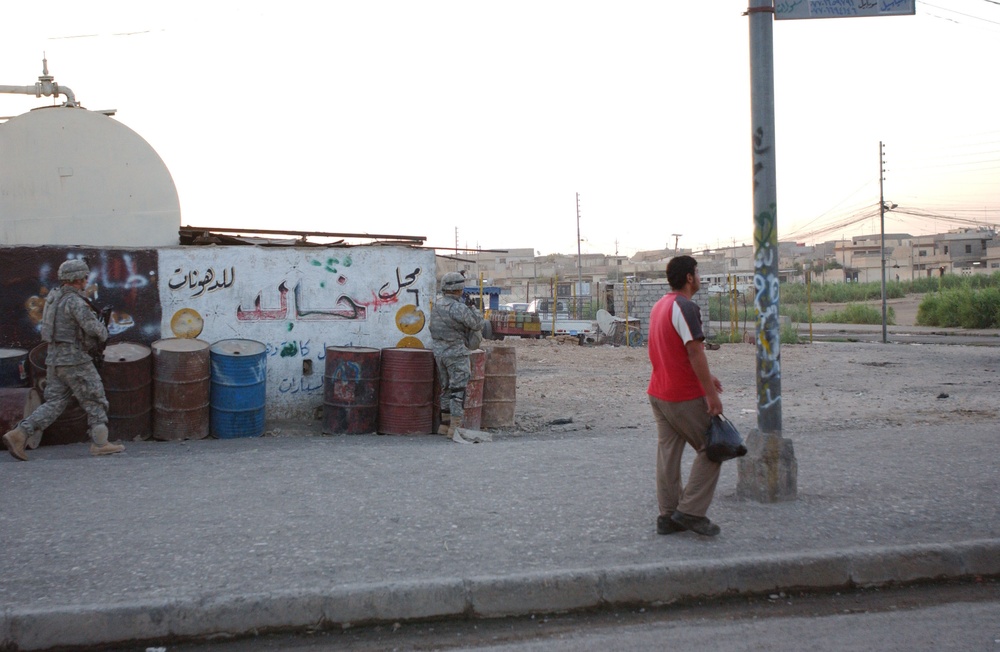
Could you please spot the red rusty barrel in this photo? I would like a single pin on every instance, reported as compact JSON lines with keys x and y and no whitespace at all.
{"x":13,"y":406}
{"x":406,"y":392}
{"x":350,"y":390}
{"x":71,"y":426}
{"x":500,"y":387}
{"x":436,"y":402}
{"x":127,"y":374}
{"x":473,"y":405}
{"x":182,"y":384}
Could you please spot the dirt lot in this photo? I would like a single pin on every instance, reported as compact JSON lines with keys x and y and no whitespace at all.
{"x":828,"y":385}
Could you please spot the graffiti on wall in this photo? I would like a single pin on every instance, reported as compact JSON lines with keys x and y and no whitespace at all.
{"x":194,"y":283}
{"x":297,"y":304}
{"x":199,"y":283}
{"x":124,"y":280}
{"x":298,"y":301}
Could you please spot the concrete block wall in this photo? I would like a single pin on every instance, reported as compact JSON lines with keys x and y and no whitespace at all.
{"x":643,"y":296}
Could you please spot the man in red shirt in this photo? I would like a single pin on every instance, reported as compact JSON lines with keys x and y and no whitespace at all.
{"x":684,"y":396}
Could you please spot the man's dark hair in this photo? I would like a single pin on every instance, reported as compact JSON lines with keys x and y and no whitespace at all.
{"x":678,"y":269}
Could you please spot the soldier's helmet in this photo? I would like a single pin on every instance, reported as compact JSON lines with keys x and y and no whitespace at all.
{"x":452,"y":281}
{"x":73,"y":270}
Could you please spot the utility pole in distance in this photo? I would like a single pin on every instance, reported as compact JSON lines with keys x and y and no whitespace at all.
{"x":881,"y":223}
{"x":579,"y":263}
{"x":768,"y":472}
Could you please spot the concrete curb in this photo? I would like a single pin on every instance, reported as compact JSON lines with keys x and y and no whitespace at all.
{"x":192,"y":618}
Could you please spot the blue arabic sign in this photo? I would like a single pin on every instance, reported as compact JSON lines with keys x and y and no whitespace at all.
{"x":792,"y":9}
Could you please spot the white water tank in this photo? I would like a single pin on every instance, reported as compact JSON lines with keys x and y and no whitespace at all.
{"x":69,"y":176}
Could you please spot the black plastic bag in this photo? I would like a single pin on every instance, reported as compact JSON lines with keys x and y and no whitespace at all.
{"x":723,"y":440}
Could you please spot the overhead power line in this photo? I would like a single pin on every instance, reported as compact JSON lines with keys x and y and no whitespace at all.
{"x":985,"y":20}
{"x":873,"y":212}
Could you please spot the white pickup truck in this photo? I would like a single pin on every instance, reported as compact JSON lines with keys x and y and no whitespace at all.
{"x":559,"y":323}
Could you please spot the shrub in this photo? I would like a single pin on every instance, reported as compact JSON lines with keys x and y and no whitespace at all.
{"x":962,"y":307}
{"x":790,"y":335}
{"x":929,"y":311}
{"x":852,"y":313}
{"x":856,"y":313}
{"x":797,"y":312}
{"x":847,"y":292}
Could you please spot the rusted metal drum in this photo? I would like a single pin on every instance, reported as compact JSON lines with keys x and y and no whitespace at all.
{"x":473,"y":405}
{"x":239,"y":390}
{"x":436,"y":402}
{"x":181,"y":388}
{"x":405,"y":393}
{"x":14,"y":368}
{"x":127,"y":374}
{"x":71,"y":426}
{"x":350,"y":390}
{"x":500,"y":387}
{"x":13,"y":406}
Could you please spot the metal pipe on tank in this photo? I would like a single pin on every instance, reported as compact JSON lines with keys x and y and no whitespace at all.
{"x":40,"y":89}
{"x":45,"y":85}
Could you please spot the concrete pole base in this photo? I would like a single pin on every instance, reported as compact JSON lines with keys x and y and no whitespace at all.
{"x":768,"y":473}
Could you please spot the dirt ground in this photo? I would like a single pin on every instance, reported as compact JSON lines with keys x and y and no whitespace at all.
{"x":563,"y":387}
{"x":905,"y":308}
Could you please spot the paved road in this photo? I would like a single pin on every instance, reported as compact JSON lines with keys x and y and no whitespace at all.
{"x":180,"y":539}
{"x":951,"y":616}
{"x":900,"y":334}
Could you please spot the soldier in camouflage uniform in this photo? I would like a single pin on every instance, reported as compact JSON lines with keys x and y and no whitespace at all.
{"x":71,"y":329}
{"x":455,"y":329}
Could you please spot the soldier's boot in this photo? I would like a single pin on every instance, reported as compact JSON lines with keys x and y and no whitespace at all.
{"x":445,"y":424}
{"x":15,"y":441}
{"x":101,"y":445}
{"x":455,"y":433}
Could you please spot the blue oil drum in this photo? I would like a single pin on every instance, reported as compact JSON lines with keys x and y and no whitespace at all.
{"x":239,"y":374}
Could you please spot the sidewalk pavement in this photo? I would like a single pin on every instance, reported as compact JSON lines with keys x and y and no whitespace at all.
{"x":177,"y":540}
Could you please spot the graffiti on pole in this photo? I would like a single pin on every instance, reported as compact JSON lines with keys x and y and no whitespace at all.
{"x":767,"y":287}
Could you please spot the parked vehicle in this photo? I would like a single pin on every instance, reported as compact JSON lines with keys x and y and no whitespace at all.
{"x":559,"y":322}
{"x":512,"y":323}
{"x":546,"y":306}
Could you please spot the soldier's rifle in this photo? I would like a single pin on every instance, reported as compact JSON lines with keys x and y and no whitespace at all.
{"x":104,"y":316}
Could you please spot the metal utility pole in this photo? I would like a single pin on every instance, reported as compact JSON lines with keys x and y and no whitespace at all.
{"x":677,"y":239}
{"x":769,"y":471}
{"x":579,"y":261}
{"x":881,"y":221}
{"x":765,"y":200}
{"x":618,"y":264}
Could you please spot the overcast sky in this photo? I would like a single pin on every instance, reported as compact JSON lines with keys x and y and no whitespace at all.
{"x":478,"y":122}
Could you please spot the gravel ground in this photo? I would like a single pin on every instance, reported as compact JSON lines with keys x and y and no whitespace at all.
{"x":825,"y":386}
